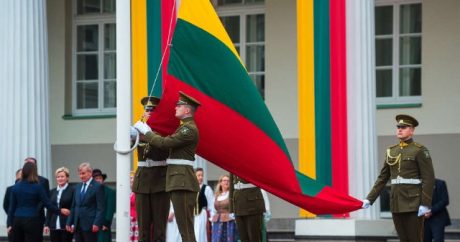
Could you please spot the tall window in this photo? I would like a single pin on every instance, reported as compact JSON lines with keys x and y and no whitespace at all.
{"x":398,"y":47}
{"x":94,"y":58}
{"x":244,"y":21}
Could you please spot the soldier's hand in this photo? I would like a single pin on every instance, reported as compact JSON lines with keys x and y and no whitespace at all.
{"x":366,"y":203}
{"x":422,"y":210}
{"x":142,"y":127}
{"x":267,"y":216}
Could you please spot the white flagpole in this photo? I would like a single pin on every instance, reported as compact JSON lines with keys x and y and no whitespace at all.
{"x":123,"y":21}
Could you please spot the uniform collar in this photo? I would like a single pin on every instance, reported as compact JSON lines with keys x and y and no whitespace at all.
{"x":186,"y":120}
{"x":405,"y":143}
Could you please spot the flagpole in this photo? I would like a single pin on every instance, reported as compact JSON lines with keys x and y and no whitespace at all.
{"x":123,"y":117}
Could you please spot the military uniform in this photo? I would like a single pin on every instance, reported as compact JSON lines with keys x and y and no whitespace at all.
{"x":152,"y":200}
{"x":181,"y":181}
{"x":409,"y":169}
{"x":247,"y":203}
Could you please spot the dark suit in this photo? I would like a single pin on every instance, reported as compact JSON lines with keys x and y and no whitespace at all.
{"x":6,"y":206}
{"x":46,"y":185}
{"x":439,"y":219}
{"x":88,"y":209}
{"x":60,"y":235}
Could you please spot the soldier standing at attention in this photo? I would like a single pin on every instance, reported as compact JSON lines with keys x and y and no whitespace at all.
{"x":247,"y":205}
{"x":152,"y":201}
{"x":181,"y":182}
{"x":409,"y":168}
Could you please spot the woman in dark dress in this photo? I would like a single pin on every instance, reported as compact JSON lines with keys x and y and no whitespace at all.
{"x":62,"y":197}
{"x":23,"y":216}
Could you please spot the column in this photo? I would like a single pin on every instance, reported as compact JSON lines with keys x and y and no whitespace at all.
{"x":362,"y":140}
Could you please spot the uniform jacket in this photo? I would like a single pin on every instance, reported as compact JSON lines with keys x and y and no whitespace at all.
{"x":88,"y":210}
{"x":411,"y":160}
{"x":181,"y":145}
{"x":440,"y":216}
{"x":65,"y":202}
{"x":247,"y":201}
{"x":150,"y":179}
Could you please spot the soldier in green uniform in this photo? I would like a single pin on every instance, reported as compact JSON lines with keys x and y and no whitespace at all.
{"x":152,"y":200}
{"x":409,"y":169}
{"x":247,"y":205}
{"x":181,"y":181}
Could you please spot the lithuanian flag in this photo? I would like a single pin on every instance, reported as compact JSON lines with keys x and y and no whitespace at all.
{"x":237,"y":132}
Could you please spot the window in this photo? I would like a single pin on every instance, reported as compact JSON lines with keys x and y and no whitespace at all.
{"x":244,"y":21}
{"x":398,"y":51}
{"x":94,"y":58}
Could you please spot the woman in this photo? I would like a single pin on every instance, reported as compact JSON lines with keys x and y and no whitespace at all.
{"x":23,"y":217}
{"x":223,"y":227}
{"x":133,"y":228}
{"x":62,"y":197}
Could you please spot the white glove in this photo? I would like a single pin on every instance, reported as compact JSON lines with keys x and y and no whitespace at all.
{"x":366,"y":203}
{"x":267,"y":216}
{"x":142,"y":127}
{"x":232,"y":216}
{"x":132,"y":132}
{"x":422,"y":210}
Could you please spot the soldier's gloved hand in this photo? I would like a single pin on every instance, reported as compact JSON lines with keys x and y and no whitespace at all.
{"x":142,"y":127}
{"x":267,"y":216}
{"x":366,"y":203}
{"x":422,"y":210}
{"x":231,"y":216}
{"x":133,"y":132}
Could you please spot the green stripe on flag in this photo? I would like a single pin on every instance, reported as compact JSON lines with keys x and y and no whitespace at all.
{"x":322,"y":92}
{"x":309,"y":186}
{"x":154,"y":44}
{"x":205,"y":63}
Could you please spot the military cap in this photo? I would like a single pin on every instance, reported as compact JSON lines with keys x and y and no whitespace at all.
{"x":149,"y":102}
{"x":406,"y":120}
{"x":185,"y":99}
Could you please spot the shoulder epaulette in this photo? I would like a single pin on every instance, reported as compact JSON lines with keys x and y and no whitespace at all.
{"x":418,"y":145}
{"x":393,"y":146}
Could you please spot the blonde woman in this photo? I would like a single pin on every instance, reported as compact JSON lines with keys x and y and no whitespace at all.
{"x":223,"y":227}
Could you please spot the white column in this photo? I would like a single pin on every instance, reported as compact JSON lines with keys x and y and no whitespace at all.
{"x":24,"y":99}
{"x":124,"y":98}
{"x":362,"y":138}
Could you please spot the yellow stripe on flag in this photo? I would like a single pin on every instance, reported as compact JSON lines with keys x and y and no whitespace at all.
{"x":139,"y":58}
{"x":306,"y":85}
{"x":203,"y":15}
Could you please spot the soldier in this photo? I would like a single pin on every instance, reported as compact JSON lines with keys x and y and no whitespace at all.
{"x":409,"y":168}
{"x":181,"y":181}
{"x":247,"y":204}
{"x":152,"y":201}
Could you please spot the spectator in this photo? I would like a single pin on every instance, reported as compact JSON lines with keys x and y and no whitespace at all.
{"x":205,"y":208}
{"x":438,"y":218}
{"x":6,"y":199}
{"x":105,"y":234}
{"x":133,"y":228}
{"x":223,"y":227}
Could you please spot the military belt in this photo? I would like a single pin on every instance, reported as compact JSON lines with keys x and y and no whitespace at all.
{"x":400,"y":180}
{"x":241,"y":186}
{"x":151,"y":163}
{"x":179,"y":162}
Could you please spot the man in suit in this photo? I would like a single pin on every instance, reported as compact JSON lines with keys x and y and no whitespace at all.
{"x":181,"y":182}
{"x":6,"y":199}
{"x":248,"y":206}
{"x":438,"y":218}
{"x":105,"y":234}
{"x":409,"y":167}
{"x":88,"y":207}
{"x":149,"y":184}
{"x":46,"y":185}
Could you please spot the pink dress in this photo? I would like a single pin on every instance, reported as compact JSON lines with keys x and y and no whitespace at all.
{"x":133,"y":228}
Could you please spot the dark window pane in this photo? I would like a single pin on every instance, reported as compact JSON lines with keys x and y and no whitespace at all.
{"x":88,"y":6}
{"x":383,"y":52}
{"x":110,"y":39}
{"x":255,"y":28}
{"x":253,"y":1}
{"x":87,"y":95}
{"x":411,"y":18}
{"x":109,"y":6}
{"x":384,"y":84}
{"x":110,"y":94}
{"x":110,"y":66}
{"x":410,"y":83}
{"x":232,"y":26}
{"x":87,"y":68}
{"x":411,"y":50}
{"x":255,"y":58}
{"x":225,"y":2}
{"x":384,"y":20}
{"x":87,"y":38}
{"x":259,"y":81}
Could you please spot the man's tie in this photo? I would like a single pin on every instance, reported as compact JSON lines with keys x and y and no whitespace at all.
{"x":82,"y":192}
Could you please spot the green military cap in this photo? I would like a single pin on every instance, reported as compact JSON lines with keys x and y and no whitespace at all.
{"x":185,"y":99}
{"x":149,"y":102}
{"x":406,"y":120}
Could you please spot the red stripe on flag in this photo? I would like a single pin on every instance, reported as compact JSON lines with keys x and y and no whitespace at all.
{"x":339,"y":96}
